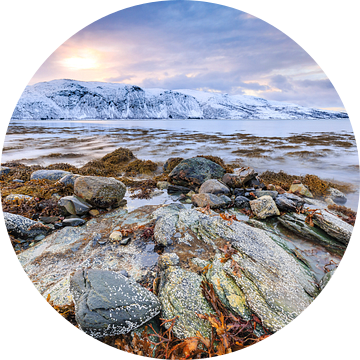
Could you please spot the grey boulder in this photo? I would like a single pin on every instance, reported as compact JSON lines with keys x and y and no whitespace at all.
{"x":108,"y":303}
{"x":202,"y":200}
{"x":48,"y":174}
{"x":23,"y":227}
{"x":213,"y":186}
{"x":100,"y":191}
{"x":195,"y":171}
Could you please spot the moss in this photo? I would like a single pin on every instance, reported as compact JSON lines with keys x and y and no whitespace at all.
{"x":317,"y":186}
{"x":112,"y":164}
{"x":254,"y":152}
{"x":119,"y":156}
{"x":141,"y":167}
{"x":171,"y":163}
{"x":219,"y":161}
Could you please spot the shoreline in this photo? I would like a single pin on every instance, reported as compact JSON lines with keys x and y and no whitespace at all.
{"x":144,"y":241}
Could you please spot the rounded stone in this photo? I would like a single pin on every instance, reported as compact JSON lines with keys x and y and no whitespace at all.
{"x":48,"y":174}
{"x":115,"y":236}
{"x":213,"y":186}
{"x":100,"y":191}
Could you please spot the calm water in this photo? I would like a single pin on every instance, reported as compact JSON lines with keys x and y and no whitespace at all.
{"x":325,"y":148}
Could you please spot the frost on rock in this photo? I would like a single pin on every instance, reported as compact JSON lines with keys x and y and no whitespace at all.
{"x":108,"y":303}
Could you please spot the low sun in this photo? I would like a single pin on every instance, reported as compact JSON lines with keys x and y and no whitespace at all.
{"x":79,"y":63}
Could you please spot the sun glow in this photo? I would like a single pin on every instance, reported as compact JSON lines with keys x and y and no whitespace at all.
{"x":79,"y":63}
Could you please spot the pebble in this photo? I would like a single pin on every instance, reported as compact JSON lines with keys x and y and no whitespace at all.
{"x":73,"y":222}
{"x":115,"y":236}
{"x":125,"y":241}
{"x":94,"y":212}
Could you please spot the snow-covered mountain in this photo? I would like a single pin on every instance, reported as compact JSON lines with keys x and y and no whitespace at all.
{"x":71,"y":99}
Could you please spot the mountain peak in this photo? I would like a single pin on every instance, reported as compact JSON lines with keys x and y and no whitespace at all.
{"x":72,"y":99}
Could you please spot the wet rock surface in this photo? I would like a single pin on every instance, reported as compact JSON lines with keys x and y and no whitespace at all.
{"x":259,"y":264}
{"x":108,"y":303}
{"x":275,"y":284}
{"x":76,"y":248}
{"x":337,"y":196}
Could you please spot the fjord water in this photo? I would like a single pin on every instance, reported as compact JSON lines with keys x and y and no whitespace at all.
{"x":263,"y":144}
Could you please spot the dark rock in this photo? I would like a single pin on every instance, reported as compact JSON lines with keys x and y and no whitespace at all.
{"x":289,"y":202}
{"x":73,"y":205}
{"x":48,"y":174}
{"x":177,"y":189}
{"x":250,"y":196}
{"x":4,"y":170}
{"x":49,"y":219}
{"x":239,"y":192}
{"x":241,"y":202}
{"x":24,"y":228}
{"x":254,"y":183}
{"x":215,"y":187}
{"x":73,"y":222}
{"x":195,"y":171}
{"x":108,"y":303}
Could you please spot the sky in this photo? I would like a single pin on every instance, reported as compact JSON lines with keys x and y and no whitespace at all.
{"x":192,"y":45}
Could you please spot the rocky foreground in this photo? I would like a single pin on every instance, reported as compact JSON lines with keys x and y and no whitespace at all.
{"x":221,"y":248}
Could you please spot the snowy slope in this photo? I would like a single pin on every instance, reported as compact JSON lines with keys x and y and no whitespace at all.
{"x":71,"y":99}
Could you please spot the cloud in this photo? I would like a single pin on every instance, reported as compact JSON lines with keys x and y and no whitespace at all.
{"x":189,"y":44}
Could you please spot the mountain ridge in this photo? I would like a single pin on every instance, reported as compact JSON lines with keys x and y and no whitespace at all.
{"x":76,"y":100}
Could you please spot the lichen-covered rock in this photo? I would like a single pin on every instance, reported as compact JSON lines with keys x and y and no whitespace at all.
{"x":213,"y":186}
{"x":180,"y":295}
{"x":74,"y":248}
{"x":48,"y":174}
{"x":108,"y":303}
{"x":333,"y":226}
{"x":296,"y":223}
{"x":202,"y":200}
{"x":300,"y":189}
{"x":226,"y":289}
{"x":166,"y":220}
{"x":100,"y":191}
{"x":24,"y":228}
{"x":162,"y":185}
{"x":325,"y":279}
{"x":264,"y":207}
{"x":195,"y":171}
{"x":276,"y":285}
